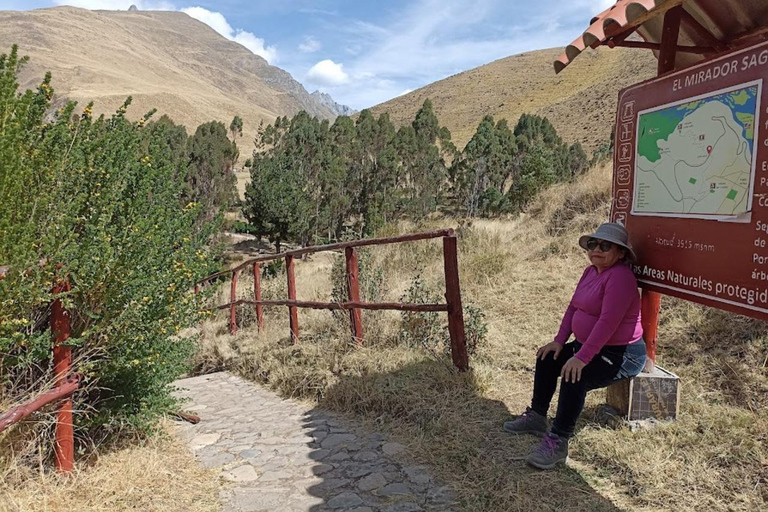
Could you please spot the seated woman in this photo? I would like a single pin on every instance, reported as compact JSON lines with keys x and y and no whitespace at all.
{"x":604,"y":317}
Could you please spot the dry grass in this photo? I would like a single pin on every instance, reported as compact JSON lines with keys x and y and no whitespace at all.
{"x":117,"y":474}
{"x":522,"y":272}
{"x":154,"y":475}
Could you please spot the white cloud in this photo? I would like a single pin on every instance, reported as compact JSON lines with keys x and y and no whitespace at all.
{"x":428,"y":40}
{"x":326,"y":72}
{"x":215,"y":20}
{"x":256,"y":45}
{"x":405,"y":92}
{"x":118,"y":5}
{"x":219,"y":23}
{"x":310,"y":45}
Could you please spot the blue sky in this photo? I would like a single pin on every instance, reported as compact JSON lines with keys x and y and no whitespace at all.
{"x":366,"y":52}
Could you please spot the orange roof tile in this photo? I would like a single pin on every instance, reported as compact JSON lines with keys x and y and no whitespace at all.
{"x":726,"y":20}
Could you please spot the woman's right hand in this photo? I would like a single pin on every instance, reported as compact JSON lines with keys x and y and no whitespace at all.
{"x":552,"y":346}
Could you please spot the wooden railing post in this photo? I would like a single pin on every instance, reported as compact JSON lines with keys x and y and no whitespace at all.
{"x":293,"y":311}
{"x":257,"y":295}
{"x":233,"y":307}
{"x":453,"y":298}
{"x":202,"y":331}
{"x":353,"y":287}
{"x":64,"y":450}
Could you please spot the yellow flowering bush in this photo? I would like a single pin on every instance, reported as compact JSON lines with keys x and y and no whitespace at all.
{"x":102,"y":203}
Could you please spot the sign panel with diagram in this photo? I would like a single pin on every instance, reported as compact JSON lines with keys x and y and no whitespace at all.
{"x":691,"y":181}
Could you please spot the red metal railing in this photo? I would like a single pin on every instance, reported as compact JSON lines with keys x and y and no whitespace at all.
{"x":354,"y":304}
{"x":66,"y":384}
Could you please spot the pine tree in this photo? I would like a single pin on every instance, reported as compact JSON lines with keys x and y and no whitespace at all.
{"x":211,"y":178}
{"x":422,"y":150}
{"x":236,"y":127}
{"x":479,"y":175}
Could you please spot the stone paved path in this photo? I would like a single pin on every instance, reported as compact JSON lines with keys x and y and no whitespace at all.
{"x":284,"y":456}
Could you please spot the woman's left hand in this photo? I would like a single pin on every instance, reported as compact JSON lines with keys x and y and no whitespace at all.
{"x":572,"y":370}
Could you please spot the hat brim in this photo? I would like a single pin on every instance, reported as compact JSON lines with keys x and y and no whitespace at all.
{"x":631,"y":256}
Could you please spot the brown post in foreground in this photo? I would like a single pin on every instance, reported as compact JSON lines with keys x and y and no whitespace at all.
{"x":292,"y":310}
{"x":64,"y":451}
{"x":455,"y":311}
{"x":257,"y":295}
{"x":650,"y":304}
{"x":353,"y":287}
{"x":232,"y":307}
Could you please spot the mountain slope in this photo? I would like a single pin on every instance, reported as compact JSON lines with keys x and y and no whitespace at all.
{"x":580,"y":101}
{"x":165,"y":60}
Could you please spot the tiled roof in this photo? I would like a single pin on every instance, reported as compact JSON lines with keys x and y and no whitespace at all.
{"x":726,"y":20}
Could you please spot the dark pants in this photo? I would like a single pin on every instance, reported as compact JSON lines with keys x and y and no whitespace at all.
{"x":611,"y":364}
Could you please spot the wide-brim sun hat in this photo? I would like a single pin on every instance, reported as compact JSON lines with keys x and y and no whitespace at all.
{"x":614,"y":233}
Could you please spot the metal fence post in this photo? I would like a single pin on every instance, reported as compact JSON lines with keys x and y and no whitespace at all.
{"x":257,"y":295}
{"x":293,"y":311}
{"x":232,"y":307}
{"x":453,"y":298}
{"x":64,"y":450}
{"x":353,"y":289}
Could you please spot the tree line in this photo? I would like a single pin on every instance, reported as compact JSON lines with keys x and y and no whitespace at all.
{"x":312,"y":180}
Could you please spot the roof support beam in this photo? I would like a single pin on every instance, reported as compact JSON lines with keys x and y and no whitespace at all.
{"x":701,"y":50}
{"x":748,"y":36}
{"x":669,"y":36}
{"x":702,"y":32}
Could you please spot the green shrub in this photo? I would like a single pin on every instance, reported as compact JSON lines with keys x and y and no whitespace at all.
{"x":475,"y":328}
{"x":422,"y":329}
{"x":102,"y":198}
{"x":273,"y":269}
{"x":430,"y":329}
{"x":239,"y":226}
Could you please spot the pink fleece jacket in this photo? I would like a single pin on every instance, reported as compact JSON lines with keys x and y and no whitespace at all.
{"x":604,"y":310}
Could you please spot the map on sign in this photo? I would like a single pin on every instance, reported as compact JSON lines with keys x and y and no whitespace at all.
{"x":696,"y":158}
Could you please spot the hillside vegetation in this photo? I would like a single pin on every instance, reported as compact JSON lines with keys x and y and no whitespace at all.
{"x":164,"y":60}
{"x":126,"y":213}
{"x":519,"y":273}
{"x":580,"y":102}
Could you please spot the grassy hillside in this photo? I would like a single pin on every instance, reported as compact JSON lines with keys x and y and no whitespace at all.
{"x":165,"y":60}
{"x":580,"y":101}
{"x":521,"y":274}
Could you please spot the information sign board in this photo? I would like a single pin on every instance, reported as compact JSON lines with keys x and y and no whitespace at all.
{"x":690,"y":181}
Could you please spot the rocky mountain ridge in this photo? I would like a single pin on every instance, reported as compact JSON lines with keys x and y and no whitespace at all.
{"x":163,"y":59}
{"x":337,"y":108}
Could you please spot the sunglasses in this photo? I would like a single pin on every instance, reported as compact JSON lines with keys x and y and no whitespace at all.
{"x":594,"y":243}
